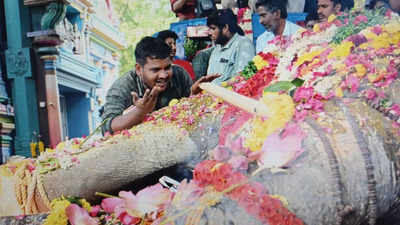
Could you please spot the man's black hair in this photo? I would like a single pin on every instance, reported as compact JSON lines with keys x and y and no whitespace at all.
{"x":223,"y":17}
{"x":153,"y":48}
{"x":273,"y":6}
{"x":344,"y":4}
{"x":163,"y":35}
{"x":242,"y":3}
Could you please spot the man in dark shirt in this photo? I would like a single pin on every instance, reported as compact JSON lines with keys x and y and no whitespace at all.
{"x":153,"y":83}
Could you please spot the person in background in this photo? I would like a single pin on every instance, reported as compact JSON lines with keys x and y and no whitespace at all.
{"x":390,"y":4}
{"x":233,"y":51}
{"x":310,"y":21}
{"x":169,"y":37}
{"x":151,"y":85}
{"x":273,"y":16}
{"x":200,"y":62}
{"x":327,"y":8}
{"x":395,"y":5}
{"x":347,"y":5}
{"x":184,"y":9}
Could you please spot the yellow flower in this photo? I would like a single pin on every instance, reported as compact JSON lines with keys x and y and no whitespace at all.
{"x":173,"y":102}
{"x":382,"y":41}
{"x":361,"y":70}
{"x":342,"y":50}
{"x":86,"y":205}
{"x":364,"y":46}
{"x":306,"y":57}
{"x":57,"y":214}
{"x":339,"y":66}
{"x":392,"y":27}
{"x":369,"y":34}
{"x":282,"y":110}
{"x":282,"y":199}
{"x":60,"y":146}
{"x":259,"y":62}
{"x":49,"y":150}
{"x":316,"y":28}
{"x":331,"y":18}
{"x":339,"y":92}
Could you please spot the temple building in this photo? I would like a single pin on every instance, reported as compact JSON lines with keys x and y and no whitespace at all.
{"x":58,"y":57}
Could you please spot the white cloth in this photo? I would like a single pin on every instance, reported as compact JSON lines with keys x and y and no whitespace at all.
{"x":296,"y":6}
{"x":264,"y":38}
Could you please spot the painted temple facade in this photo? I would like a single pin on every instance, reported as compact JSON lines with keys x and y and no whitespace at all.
{"x":58,"y":58}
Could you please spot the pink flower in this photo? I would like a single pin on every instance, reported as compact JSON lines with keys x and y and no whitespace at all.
{"x":126,"y":133}
{"x":146,"y":201}
{"x":303,"y":94}
{"x":370,"y":94}
{"x":79,"y":216}
{"x":396,"y":109}
{"x":300,"y":115}
{"x":187,"y":194}
{"x":236,"y":145}
{"x":221,"y":153}
{"x":20,"y":217}
{"x":377,"y":30}
{"x":190,"y":120}
{"x":107,"y":134}
{"x":316,"y":105}
{"x":388,"y":13}
{"x":31,"y":167}
{"x":239,"y":162}
{"x":94,"y":210}
{"x":360,"y":19}
{"x":109,"y":204}
{"x":278,"y":151}
{"x":353,"y":83}
{"x":127,"y":219}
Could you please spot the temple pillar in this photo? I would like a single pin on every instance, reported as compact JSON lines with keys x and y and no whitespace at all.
{"x":49,"y":58}
{"x":19,"y":73}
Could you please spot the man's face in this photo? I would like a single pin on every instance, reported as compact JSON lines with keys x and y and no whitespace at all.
{"x":217,"y":35}
{"x":327,"y":8}
{"x":172,"y":44}
{"x":395,"y":4}
{"x":270,"y":20}
{"x":156,"y":72}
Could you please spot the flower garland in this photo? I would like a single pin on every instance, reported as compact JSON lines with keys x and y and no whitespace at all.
{"x":250,"y":196}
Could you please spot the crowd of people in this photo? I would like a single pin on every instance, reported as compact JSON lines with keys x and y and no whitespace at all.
{"x":158,"y":77}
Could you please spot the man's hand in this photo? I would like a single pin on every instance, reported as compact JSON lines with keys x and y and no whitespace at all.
{"x":148,"y":102}
{"x":195,"y":89}
{"x":135,"y":114}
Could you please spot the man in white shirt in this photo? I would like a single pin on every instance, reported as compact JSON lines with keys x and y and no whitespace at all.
{"x":273,"y":16}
